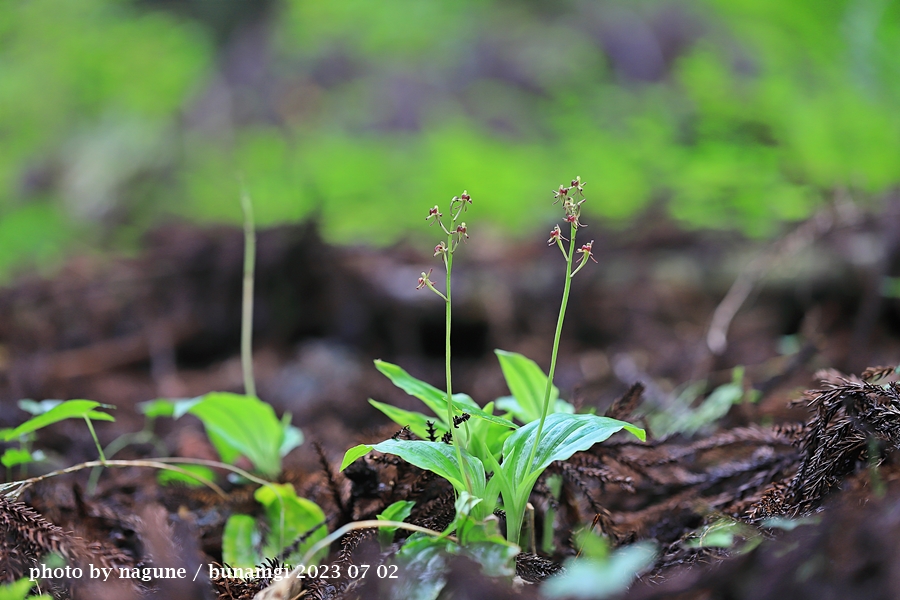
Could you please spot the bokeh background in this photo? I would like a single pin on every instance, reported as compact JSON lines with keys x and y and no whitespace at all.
{"x":738,"y":115}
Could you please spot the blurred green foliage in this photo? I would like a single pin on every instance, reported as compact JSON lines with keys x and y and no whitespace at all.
{"x":737,"y":114}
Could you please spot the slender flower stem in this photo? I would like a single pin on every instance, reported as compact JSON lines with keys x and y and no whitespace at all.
{"x":448,"y":316}
{"x":247,"y":303}
{"x":559,"y":326}
{"x":448,"y":256}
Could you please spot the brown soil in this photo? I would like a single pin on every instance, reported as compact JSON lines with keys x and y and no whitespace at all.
{"x":166,"y":324}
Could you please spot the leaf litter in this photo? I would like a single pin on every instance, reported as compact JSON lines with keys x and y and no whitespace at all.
{"x":743,"y":484}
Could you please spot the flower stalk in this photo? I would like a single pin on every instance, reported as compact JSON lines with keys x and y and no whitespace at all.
{"x":445,"y":249}
{"x":572,"y":216}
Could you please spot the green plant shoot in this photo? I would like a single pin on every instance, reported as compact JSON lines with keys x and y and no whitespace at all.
{"x":243,"y":426}
{"x":70,"y":409}
{"x":294,"y":525}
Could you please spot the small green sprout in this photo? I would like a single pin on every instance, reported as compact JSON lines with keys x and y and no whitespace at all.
{"x":294,"y":525}
{"x":240,"y":425}
{"x":70,"y":409}
{"x":398,"y":511}
{"x":599,"y":573}
{"x":20,"y":590}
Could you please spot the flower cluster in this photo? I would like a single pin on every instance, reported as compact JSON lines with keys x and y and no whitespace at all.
{"x":456,"y":233}
{"x":572,"y":210}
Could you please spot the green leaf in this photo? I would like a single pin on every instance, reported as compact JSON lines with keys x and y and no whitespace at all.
{"x":15,"y":456}
{"x":473,"y":409}
{"x":563,"y":436}
{"x":691,"y":420}
{"x":417,"y":422}
{"x":160,"y":407}
{"x":423,"y":560}
{"x":527,"y":383}
{"x":440,"y":459}
{"x":70,"y":409}
{"x":354,"y":453}
{"x":398,"y":511}
{"x":240,"y":541}
{"x":290,"y":517}
{"x":227,"y":451}
{"x":18,"y":590}
{"x":434,"y":398}
{"x":486,"y":436}
{"x":596,"y":579}
{"x":489,"y":549}
{"x":242,"y":425}
{"x":166,"y":477}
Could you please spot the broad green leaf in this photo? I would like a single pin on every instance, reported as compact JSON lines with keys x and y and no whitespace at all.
{"x":434,"y":398}
{"x":243,"y":425}
{"x":290,"y":517}
{"x":227,"y":451}
{"x":398,"y":511}
{"x":70,"y":409}
{"x":440,"y":459}
{"x":527,"y":383}
{"x":240,"y":541}
{"x":165,"y":477}
{"x":351,"y":455}
{"x":417,"y":422}
{"x":15,"y":456}
{"x":511,"y":405}
{"x":563,"y":436}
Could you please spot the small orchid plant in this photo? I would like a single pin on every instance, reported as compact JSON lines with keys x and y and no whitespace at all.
{"x":489,"y":459}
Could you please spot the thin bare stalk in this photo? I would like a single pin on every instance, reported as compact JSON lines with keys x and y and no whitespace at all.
{"x":247,"y":303}
{"x":14,"y":488}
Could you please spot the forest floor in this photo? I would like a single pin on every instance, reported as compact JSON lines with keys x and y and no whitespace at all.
{"x":167,"y":324}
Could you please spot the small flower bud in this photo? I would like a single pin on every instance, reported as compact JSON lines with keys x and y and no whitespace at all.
{"x":441,"y":248}
{"x":466,"y":197}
